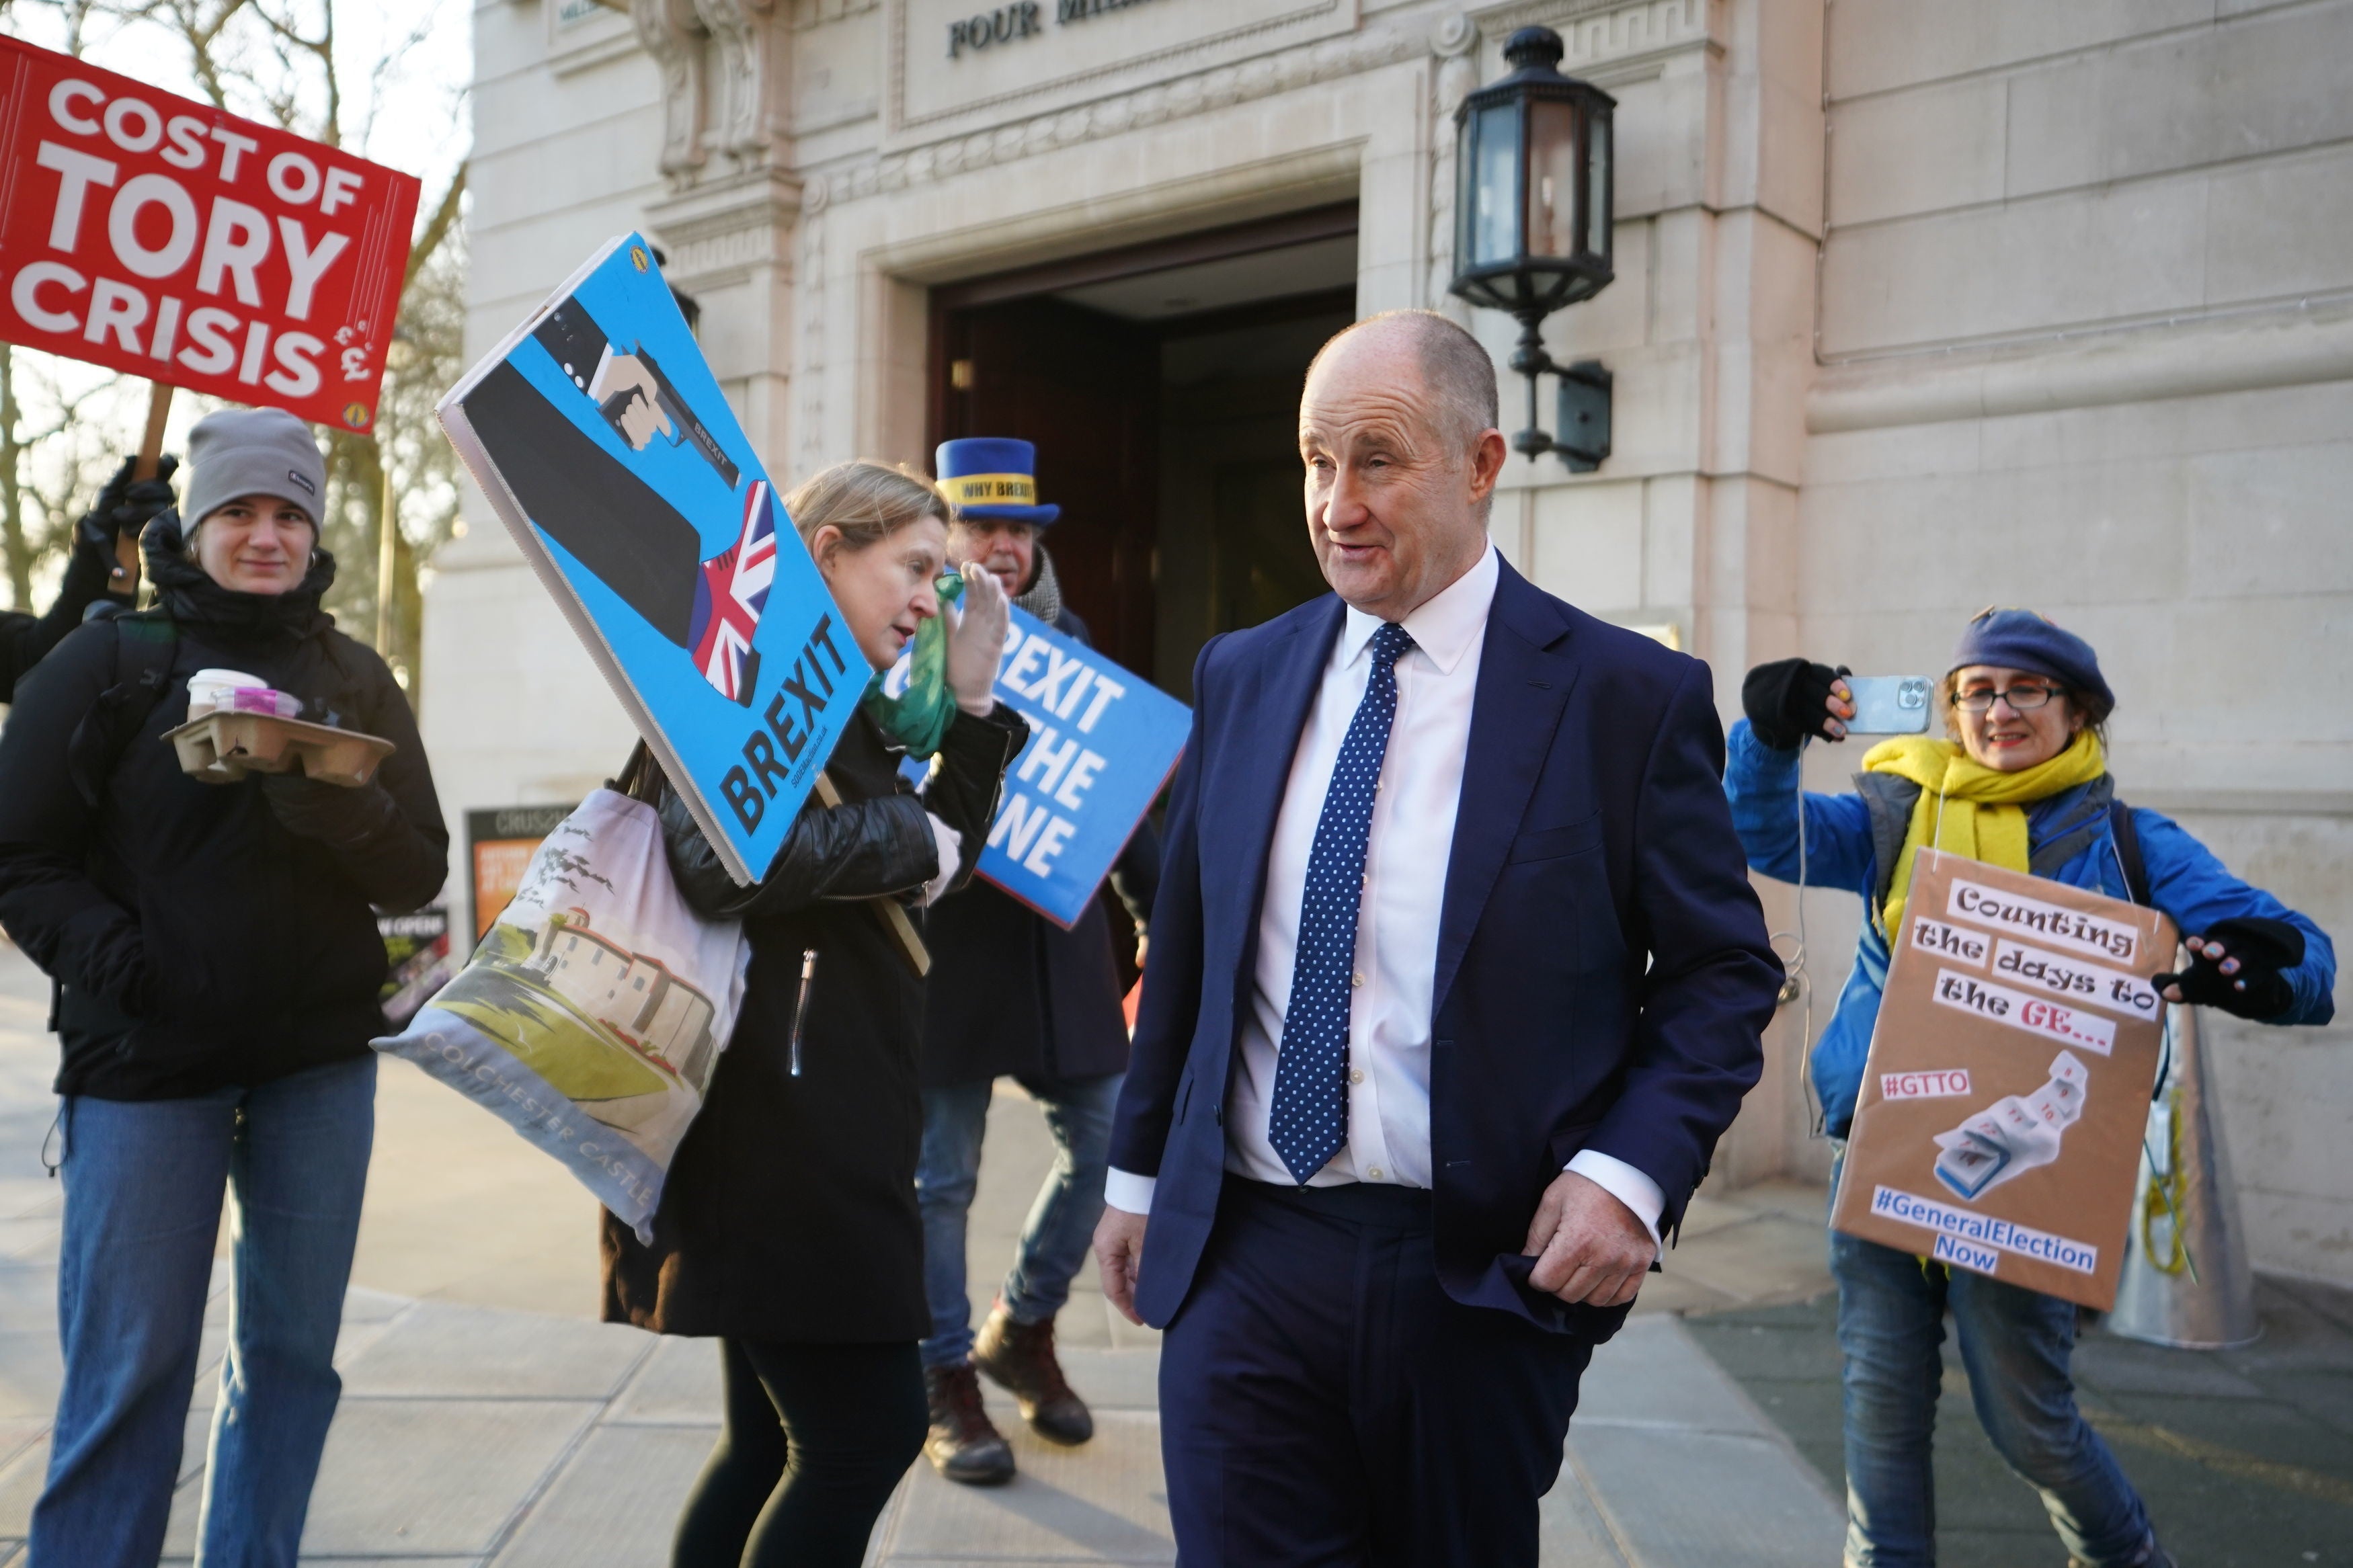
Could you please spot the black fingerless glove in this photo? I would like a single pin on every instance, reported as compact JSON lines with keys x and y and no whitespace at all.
{"x":337,"y":816}
{"x":2265,"y":949}
{"x":125,"y":505}
{"x":1787,"y":701}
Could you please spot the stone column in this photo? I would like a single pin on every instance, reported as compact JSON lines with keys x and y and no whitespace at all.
{"x":1689,"y":531}
{"x":729,"y":227}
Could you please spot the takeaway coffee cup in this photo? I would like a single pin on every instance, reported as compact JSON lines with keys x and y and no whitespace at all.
{"x":234,"y":691}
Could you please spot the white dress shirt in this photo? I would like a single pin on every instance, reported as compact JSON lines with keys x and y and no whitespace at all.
{"x":1406,"y":860}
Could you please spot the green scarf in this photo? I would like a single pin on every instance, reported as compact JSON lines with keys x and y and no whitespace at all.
{"x":919,"y":716}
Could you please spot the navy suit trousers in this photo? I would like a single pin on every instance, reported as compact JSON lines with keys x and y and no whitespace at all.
{"x":1324,"y":1401}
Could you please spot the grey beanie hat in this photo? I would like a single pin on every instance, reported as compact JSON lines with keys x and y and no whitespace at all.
{"x":252,"y":451}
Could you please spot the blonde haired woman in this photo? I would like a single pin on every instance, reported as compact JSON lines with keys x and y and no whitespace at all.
{"x":789,"y":1228}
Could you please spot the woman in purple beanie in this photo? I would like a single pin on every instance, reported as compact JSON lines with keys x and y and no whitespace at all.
{"x":2021,"y":780}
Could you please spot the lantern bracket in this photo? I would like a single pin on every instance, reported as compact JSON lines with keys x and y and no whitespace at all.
{"x":1582,"y":414}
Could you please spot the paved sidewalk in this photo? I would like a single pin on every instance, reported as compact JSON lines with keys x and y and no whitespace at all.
{"x":2245,"y":1456}
{"x":487,"y":1421}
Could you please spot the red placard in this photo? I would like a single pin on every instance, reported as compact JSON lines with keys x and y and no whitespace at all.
{"x":162,"y":237}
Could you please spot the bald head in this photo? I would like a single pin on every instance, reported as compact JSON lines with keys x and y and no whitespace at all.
{"x":1455,"y":369}
{"x":1396,"y":427}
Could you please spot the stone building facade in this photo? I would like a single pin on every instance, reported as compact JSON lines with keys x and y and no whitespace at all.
{"x":1918,"y":308}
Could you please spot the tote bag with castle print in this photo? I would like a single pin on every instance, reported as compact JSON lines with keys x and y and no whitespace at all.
{"x":591,"y":1016}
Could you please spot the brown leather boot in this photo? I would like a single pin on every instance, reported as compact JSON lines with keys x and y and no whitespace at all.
{"x":964,"y":1445}
{"x":1020,"y":1359}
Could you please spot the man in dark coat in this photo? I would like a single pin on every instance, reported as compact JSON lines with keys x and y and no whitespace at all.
{"x":1012,"y":994}
{"x":93,"y":572}
{"x":1457,"y":978}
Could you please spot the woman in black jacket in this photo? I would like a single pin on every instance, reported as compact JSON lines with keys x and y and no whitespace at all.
{"x":788,"y":1227}
{"x":216,"y":964}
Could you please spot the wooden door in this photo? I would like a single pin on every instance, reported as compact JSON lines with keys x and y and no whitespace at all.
{"x":1085,"y":387}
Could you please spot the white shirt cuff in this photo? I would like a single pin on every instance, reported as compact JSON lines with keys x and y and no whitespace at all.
{"x":951,"y":848}
{"x":1624,"y":1183}
{"x":1128,"y":1192}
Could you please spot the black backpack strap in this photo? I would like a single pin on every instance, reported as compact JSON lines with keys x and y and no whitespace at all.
{"x":144,"y":644}
{"x":2128,"y":841}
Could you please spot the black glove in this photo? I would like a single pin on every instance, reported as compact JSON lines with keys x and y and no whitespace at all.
{"x":125,"y":505}
{"x":336,"y":815}
{"x":2257,"y":987}
{"x":1787,"y":701}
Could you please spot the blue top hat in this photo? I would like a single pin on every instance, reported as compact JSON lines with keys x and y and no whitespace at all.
{"x":994,"y":475}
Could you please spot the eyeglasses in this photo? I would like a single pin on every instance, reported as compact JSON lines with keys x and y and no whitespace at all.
{"x":2021,"y":699}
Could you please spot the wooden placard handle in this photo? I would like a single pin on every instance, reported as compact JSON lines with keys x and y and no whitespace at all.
{"x":142,"y":467}
{"x":895,"y":923}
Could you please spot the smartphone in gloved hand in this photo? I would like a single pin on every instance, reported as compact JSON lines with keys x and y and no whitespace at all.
{"x":1890,"y":704}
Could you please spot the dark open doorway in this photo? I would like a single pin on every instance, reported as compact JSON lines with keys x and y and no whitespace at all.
{"x":1161,"y":386}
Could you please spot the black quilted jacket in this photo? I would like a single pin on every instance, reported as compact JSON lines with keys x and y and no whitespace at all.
{"x":790,"y":1212}
{"x":195,"y":943}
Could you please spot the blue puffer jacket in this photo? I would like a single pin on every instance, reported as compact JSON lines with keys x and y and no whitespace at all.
{"x":2185,"y":880}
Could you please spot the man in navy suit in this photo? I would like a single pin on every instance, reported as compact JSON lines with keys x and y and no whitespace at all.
{"x":1456,"y":978}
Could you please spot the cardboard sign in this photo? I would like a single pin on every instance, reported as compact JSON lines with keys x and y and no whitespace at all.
{"x":163,"y":237}
{"x":1999,"y":1128}
{"x":1101,"y":742}
{"x":603,"y":442}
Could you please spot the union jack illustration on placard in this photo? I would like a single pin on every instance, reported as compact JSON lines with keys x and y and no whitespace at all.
{"x":732,"y":595}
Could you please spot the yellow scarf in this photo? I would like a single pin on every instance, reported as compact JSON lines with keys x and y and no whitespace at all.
{"x":1982,"y":813}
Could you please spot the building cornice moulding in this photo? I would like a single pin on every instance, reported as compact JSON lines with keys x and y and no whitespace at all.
{"x":1607,"y":35}
{"x":716,"y":234}
{"x":1611,"y":46}
{"x":2290,"y":345}
{"x":807,"y":14}
{"x":1622,"y":33}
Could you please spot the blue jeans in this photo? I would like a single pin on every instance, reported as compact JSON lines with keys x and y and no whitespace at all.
{"x":2016,"y":1344}
{"x":1061,"y":1222}
{"x":144,"y":1182}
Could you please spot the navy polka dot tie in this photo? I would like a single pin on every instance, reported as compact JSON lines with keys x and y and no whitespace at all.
{"x":1309,"y":1119}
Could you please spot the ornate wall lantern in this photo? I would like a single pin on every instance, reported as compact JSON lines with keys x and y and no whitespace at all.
{"x":1533,"y":225}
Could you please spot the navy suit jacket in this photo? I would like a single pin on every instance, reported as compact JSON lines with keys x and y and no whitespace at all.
{"x":1603,"y":971}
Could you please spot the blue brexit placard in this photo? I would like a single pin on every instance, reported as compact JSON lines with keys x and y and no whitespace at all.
{"x":603,"y":443}
{"x":1101,"y":742}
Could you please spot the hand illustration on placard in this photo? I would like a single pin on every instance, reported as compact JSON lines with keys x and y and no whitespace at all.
{"x":616,"y":525}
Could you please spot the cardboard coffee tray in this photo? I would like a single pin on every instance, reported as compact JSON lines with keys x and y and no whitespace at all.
{"x":222,"y":747}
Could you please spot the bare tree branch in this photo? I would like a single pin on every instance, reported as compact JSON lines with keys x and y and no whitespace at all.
{"x":394,"y":57}
{"x":437,"y":227}
{"x":321,"y":49}
{"x":198,"y":26}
